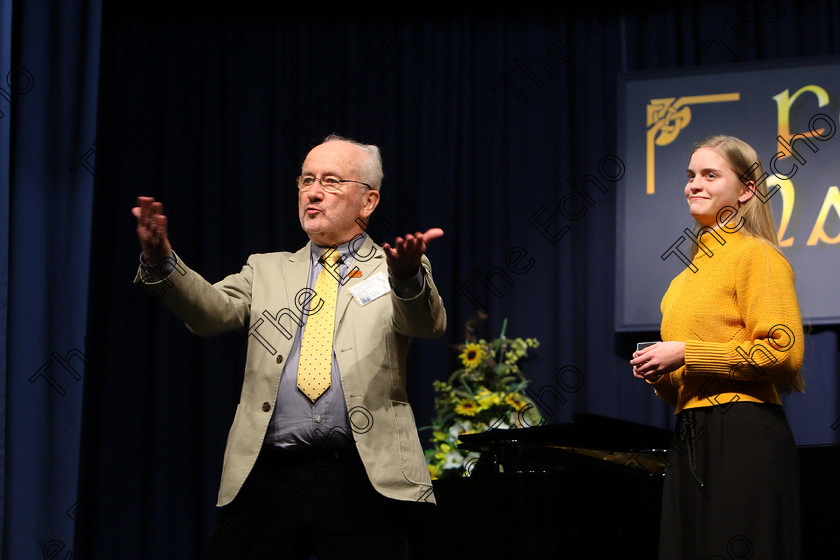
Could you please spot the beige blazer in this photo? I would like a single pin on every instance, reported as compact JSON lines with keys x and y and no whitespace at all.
{"x":371,"y":342}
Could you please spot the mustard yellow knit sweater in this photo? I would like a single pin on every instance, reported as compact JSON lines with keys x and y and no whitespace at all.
{"x":739,"y":318}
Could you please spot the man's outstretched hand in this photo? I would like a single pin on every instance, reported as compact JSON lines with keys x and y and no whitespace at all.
{"x":151,"y":230}
{"x":404,"y":257}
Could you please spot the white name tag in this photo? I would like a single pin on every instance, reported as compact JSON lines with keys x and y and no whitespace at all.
{"x":368,"y":290}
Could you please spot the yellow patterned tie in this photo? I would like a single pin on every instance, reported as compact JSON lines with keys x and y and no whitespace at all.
{"x":315,"y":363}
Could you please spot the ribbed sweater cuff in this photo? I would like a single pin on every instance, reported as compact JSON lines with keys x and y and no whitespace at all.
{"x":709,"y":358}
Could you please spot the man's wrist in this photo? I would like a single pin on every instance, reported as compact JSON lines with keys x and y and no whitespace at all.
{"x":159,"y":271}
{"x":409,"y":287}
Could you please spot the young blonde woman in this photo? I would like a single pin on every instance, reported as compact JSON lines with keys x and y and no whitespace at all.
{"x":732,"y":343}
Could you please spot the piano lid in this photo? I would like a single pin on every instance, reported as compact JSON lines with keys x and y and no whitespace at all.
{"x":585,"y":431}
{"x":608,"y":445}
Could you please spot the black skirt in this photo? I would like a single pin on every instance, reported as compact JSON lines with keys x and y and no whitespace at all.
{"x":732,"y":486}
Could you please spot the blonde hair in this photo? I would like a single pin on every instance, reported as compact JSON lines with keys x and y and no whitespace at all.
{"x":756,"y":212}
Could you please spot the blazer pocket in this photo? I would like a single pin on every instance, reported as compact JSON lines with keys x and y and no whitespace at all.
{"x":412,"y":460}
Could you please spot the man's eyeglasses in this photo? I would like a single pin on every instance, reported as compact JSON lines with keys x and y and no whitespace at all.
{"x":330,"y":184}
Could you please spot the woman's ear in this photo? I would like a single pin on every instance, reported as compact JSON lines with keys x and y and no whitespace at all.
{"x":747,"y":191}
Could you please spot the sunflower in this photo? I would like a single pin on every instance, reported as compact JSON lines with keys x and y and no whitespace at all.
{"x":472,"y":355}
{"x":466,"y":407}
{"x":487,"y":399}
{"x":516,"y":400}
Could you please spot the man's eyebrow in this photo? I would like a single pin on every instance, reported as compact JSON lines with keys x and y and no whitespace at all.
{"x":325,"y":174}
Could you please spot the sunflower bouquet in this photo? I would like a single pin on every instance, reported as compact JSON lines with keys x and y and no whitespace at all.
{"x":485,"y":392}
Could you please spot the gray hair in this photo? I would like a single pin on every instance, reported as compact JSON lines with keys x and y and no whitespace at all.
{"x":370,"y":168}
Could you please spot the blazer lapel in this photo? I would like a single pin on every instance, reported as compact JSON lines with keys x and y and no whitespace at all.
{"x":295,"y":275}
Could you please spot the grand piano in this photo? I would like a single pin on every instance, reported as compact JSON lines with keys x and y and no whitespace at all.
{"x":587,"y":489}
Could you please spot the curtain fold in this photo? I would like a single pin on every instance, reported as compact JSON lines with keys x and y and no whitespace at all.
{"x":5,"y":176}
{"x":49,"y":67}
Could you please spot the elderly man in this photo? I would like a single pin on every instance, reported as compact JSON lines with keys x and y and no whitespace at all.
{"x":323,"y":455}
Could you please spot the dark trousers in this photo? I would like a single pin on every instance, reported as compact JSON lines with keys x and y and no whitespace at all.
{"x":732,"y":487}
{"x":320,"y":502}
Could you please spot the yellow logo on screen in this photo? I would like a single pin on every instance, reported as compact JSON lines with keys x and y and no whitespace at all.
{"x":666,"y":117}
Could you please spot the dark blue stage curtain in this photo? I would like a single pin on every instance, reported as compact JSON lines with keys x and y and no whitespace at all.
{"x":48,"y":83}
{"x":484,"y":119}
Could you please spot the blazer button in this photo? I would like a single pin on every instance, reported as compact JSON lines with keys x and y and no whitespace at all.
{"x":279,"y":358}
{"x":266,"y":406}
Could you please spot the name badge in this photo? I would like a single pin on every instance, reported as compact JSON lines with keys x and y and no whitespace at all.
{"x":368,"y":290}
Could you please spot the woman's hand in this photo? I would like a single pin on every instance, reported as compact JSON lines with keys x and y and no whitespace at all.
{"x":653,"y":362}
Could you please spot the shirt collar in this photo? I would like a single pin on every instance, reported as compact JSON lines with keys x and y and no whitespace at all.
{"x":316,"y":250}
